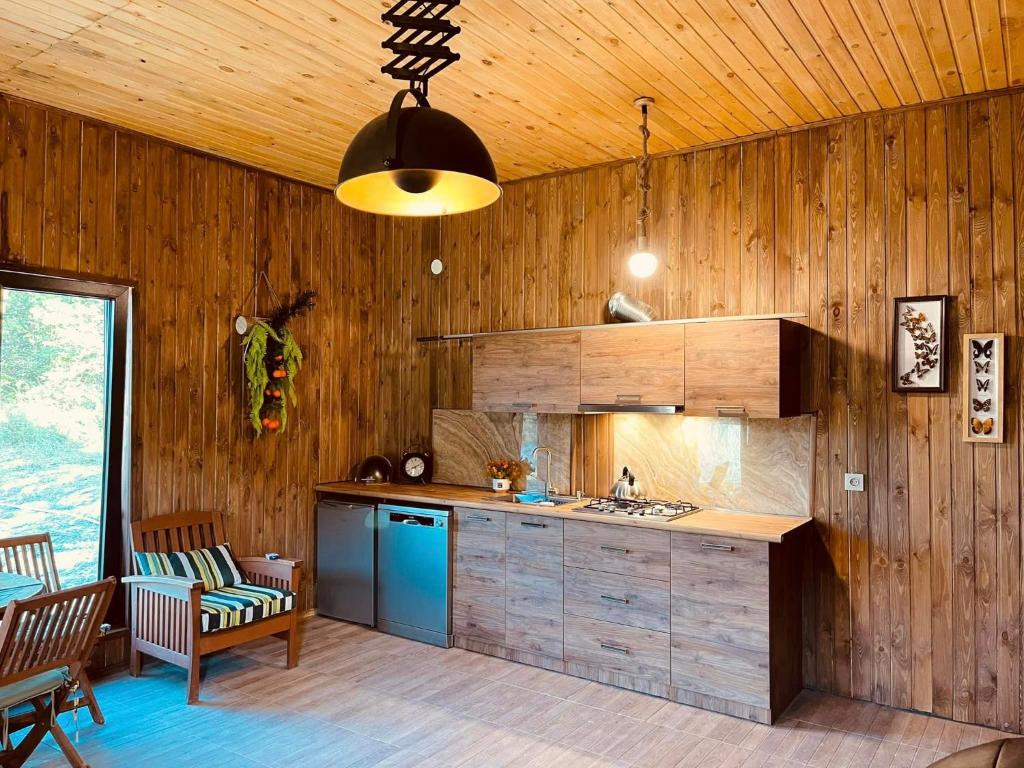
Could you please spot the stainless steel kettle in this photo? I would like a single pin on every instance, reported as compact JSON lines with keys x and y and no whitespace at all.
{"x":626,"y":486}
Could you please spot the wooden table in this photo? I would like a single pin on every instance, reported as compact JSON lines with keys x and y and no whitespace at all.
{"x":14,"y":586}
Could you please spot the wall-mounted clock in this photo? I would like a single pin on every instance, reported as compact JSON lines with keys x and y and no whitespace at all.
{"x":416,"y":466}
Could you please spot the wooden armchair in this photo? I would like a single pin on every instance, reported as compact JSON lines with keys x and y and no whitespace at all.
{"x":44,"y":643}
{"x":167,"y":611}
{"x":33,"y":556}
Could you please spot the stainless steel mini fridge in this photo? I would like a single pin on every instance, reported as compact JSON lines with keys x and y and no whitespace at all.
{"x":346,"y":561}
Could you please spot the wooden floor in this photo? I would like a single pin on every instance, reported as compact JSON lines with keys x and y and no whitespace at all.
{"x":360,"y":698}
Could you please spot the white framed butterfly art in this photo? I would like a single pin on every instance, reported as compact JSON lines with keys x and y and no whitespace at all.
{"x":983,"y":387}
{"x":919,"y":344}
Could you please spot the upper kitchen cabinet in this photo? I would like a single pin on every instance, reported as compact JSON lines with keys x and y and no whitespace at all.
{"x":639,"y":365}
{"x":527,"y":372}
{"x":706,"y":368}
{"x":744,"y":368}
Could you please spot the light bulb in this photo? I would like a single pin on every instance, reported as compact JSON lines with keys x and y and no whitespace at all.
{"x":643,"y":263}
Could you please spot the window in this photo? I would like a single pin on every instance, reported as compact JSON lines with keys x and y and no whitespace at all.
{"x":63,"y":374}
{"x":53,"y":375}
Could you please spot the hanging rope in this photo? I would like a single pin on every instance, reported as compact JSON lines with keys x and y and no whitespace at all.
{"x":254,"y":293}
{"x":643,"y":177}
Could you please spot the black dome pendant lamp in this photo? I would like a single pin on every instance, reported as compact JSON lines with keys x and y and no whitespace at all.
{"x":417,"y":161}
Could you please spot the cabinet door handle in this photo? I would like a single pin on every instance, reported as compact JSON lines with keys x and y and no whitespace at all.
{"x":616,"y":550}
{"x":730,"y":410}
{"x":533,"y":525}
{"x":478,"y":518}
{"x":613,"y":599}
{"x":628,"y":398}
{"x":717,"y":547}
{"x":615,"y":648}
{"x":522,"y":406}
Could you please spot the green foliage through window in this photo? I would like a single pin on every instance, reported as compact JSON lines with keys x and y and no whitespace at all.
{"x":53,"y":390}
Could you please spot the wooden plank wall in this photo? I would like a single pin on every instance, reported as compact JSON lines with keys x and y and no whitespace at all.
{"x":191,"y":231}
{"x":915,"y":590}
{"x":914,"y":595}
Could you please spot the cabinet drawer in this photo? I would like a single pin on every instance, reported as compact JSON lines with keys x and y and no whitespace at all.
{"x":536,"y":539}
{"x":722,"y":671}
{"x":615,"y":648}
{"x":617,"y":549}
{"x":642,"y":603}
{"x":533,"y":604}
{"x":481,"y":526}
{"x":734,"y":571}
{"x":478,"y":585}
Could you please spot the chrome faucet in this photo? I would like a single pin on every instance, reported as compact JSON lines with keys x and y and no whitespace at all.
{"x":548,"y":490}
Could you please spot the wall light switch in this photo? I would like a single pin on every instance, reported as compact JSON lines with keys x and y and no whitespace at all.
{"x":854,"y":481}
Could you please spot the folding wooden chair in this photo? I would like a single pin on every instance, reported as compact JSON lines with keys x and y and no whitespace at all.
{"x":33,"y":556}
{"x":44,"y":643}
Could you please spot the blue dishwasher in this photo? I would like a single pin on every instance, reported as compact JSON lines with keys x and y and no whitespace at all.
{"x":414,"y":573}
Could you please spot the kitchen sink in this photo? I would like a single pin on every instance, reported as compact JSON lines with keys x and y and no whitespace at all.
{"x":539,"y":498}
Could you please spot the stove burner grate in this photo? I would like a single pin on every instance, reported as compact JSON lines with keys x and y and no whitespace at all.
{"x":651,"y":508}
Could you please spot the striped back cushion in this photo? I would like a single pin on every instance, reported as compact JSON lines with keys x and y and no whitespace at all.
{"x":213,"y":566}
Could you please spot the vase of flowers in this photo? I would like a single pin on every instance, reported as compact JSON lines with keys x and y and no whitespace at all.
{"x":502,"y":472}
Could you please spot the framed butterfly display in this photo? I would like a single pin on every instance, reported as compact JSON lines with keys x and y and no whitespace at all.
{"x":983,"y":387}
{"x":919,"y":344}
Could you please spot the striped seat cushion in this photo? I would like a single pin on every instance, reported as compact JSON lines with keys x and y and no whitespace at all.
{"x":213,"y":566}
{"x":242,"y":604}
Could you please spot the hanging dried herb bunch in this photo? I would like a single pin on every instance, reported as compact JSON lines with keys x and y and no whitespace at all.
{"x":272,"y":361}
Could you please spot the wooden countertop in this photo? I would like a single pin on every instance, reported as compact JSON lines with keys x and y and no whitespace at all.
{"x":712,"y":522}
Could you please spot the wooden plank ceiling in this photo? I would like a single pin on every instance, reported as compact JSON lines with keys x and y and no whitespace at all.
{"x":283,"y":85}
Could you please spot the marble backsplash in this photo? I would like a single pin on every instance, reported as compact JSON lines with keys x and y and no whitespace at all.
{"x":464,"y":441}
{"x":744,"y":465}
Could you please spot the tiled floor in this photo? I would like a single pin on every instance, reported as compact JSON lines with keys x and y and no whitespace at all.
{"x":360,"y":698}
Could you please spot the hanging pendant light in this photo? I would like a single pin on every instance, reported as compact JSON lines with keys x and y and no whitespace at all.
{"x":417,"y":161}
{"x":643,"y":263}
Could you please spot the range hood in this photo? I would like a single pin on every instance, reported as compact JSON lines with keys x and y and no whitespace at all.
{"x":628,"y":408}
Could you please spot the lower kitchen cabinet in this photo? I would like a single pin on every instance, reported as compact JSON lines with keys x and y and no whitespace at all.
{"x":478,"y":584}
{"x":736,"y":628}
{"x":711,"y":621}
{"x":533,"y":584}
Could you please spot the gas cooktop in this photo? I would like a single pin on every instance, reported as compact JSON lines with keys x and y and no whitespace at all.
{"x":649,"y":508}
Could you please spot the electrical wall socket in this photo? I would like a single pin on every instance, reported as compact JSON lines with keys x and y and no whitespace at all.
{"x":853,"y":481}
